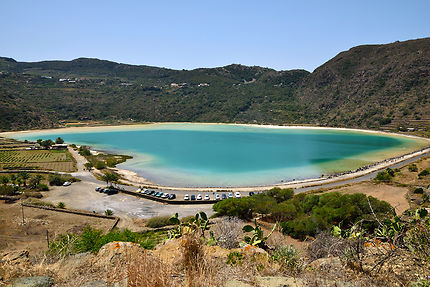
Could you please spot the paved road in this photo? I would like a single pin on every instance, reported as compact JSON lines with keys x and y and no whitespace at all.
{"x":365,"y":177}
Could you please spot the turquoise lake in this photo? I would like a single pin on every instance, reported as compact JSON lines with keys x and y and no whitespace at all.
{"x":207,"y":155}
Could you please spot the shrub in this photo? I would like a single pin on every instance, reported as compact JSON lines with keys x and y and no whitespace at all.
{"x":158,"y":221}
{"x":42,"y":187}
{"x":413,"y":167}
{"x":288,"y":258}
{"x":419,"y":190}
{"x":7,"y":190}
{"x":385,"y":175}
{"x":99,"y":164}
{"x":425,"y":172}
{"x":61,"y":205}
{"x":56,"y":179}
{"x":108,"y":212}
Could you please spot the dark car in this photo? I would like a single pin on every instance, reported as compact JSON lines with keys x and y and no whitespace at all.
{"x":152,"y":192}
{"x":193,"y":197}
{"x":110,"y":191}
{"x":172,"y":196}
{"x":223,"y":196}
{"x":251,"y":193}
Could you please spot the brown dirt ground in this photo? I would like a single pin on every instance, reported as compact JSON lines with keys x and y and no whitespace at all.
{"x":32,"y":235}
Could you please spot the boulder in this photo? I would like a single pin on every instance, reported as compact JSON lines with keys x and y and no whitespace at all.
{"x":37,"y":281}
{"x":279,"y":281}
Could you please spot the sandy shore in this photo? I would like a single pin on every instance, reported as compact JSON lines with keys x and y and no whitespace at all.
{"x":133,"y":178}
{"x":139,"y":126}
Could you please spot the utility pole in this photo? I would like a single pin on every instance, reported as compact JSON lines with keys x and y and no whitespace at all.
{"x":22,"y":209}
{"x":47,"y":237}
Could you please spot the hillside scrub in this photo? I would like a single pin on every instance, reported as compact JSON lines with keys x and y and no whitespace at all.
{"x":307,"y":214}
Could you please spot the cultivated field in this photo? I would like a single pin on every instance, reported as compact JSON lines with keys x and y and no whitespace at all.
{"x":37,"y":159}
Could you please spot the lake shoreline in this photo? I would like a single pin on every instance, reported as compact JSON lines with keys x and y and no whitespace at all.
{"x":134,"y":178}
{"x":140,"y":125}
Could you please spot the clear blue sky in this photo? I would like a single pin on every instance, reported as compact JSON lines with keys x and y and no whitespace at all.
{"x":205,"y":33}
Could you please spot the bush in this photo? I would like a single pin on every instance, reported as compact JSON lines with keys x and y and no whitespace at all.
{"x":108,"y":212}
{"x":99,"y":164}
{"x":413,"y":168}
{"x":56,"y":179}
{"x":84,"y":151}
{"x":7,"y":190}
{"x":425,"y":172}
{"x":61,"y":205}
{"x":419,"y":190}
{"x":91,"y":240}
{"x":158,"y":221}
{"x":385,"y":175}
{"x":288,"y":258}
{"x":42,"y":187}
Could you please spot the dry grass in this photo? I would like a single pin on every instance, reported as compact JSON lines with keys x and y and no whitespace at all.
{"x":146,"y":270}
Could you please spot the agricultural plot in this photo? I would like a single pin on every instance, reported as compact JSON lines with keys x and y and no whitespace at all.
{"x":37,"y":159}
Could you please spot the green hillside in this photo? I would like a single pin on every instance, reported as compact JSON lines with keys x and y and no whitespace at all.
{"x":378,"y":86}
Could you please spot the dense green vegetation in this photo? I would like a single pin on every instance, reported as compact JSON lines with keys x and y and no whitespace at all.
{"x":306,"y":214}
{"x":368,"y":86}
{"x":91,"y":240}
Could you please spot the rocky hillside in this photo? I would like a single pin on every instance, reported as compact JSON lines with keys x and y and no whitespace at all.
{"x":374,"y":86}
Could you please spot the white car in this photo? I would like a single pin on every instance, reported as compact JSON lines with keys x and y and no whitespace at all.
{"x":165,"y":195}
{"x":186,"y":197}
{"x":199,"y":196}
{"x":67,"y":183}
{"x":139,"y":190}
{"x":207,"y":197}
{"x":230,"y":195}
{"x":237,"y":194}
{"x":217,"y":197}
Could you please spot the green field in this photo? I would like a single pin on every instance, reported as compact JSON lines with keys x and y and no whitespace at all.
{"x":37,"y":159}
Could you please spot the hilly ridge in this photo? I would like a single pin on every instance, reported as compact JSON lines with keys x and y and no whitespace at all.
{"x":372,"y":86}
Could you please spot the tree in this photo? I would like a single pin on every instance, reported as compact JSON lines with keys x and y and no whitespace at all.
{"x":110,"y":177}
{"x":4,"y":179}
{"x":88,"y":166}
{"x":24,"y":176}
{"x":35,"y":180}
{"x":47,"y":143}
{"x":59,"y":141}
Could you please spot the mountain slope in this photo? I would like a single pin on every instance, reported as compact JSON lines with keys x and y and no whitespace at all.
{"x":372,"y":86}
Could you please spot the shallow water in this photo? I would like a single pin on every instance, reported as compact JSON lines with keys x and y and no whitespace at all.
{"x":235,"y":155}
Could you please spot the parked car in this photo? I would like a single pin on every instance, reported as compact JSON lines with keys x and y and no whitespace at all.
{"x":199,"y":196}
{"x":110,"y":191}
{"x":153,"y":192}
{"x":139,"y":190}
{"x":217,"y":197}
{"x":99,"y":189}
{"x":237,"y":194}
{"x":230,"y":195}
{"x":207,"y":197}
{"x":193,"y":197}
{"x":67,"y":183}
{"x":251,"y":193}
{"x":165,"y":195}
{"x":223,"y":196}
{"x":186,"y":197}
{"x":159,"y":194}
{"x":172,"y":196}
{"x":148,"y":192}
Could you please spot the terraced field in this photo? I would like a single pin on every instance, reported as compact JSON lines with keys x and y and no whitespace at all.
{"x":37,"y":159}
